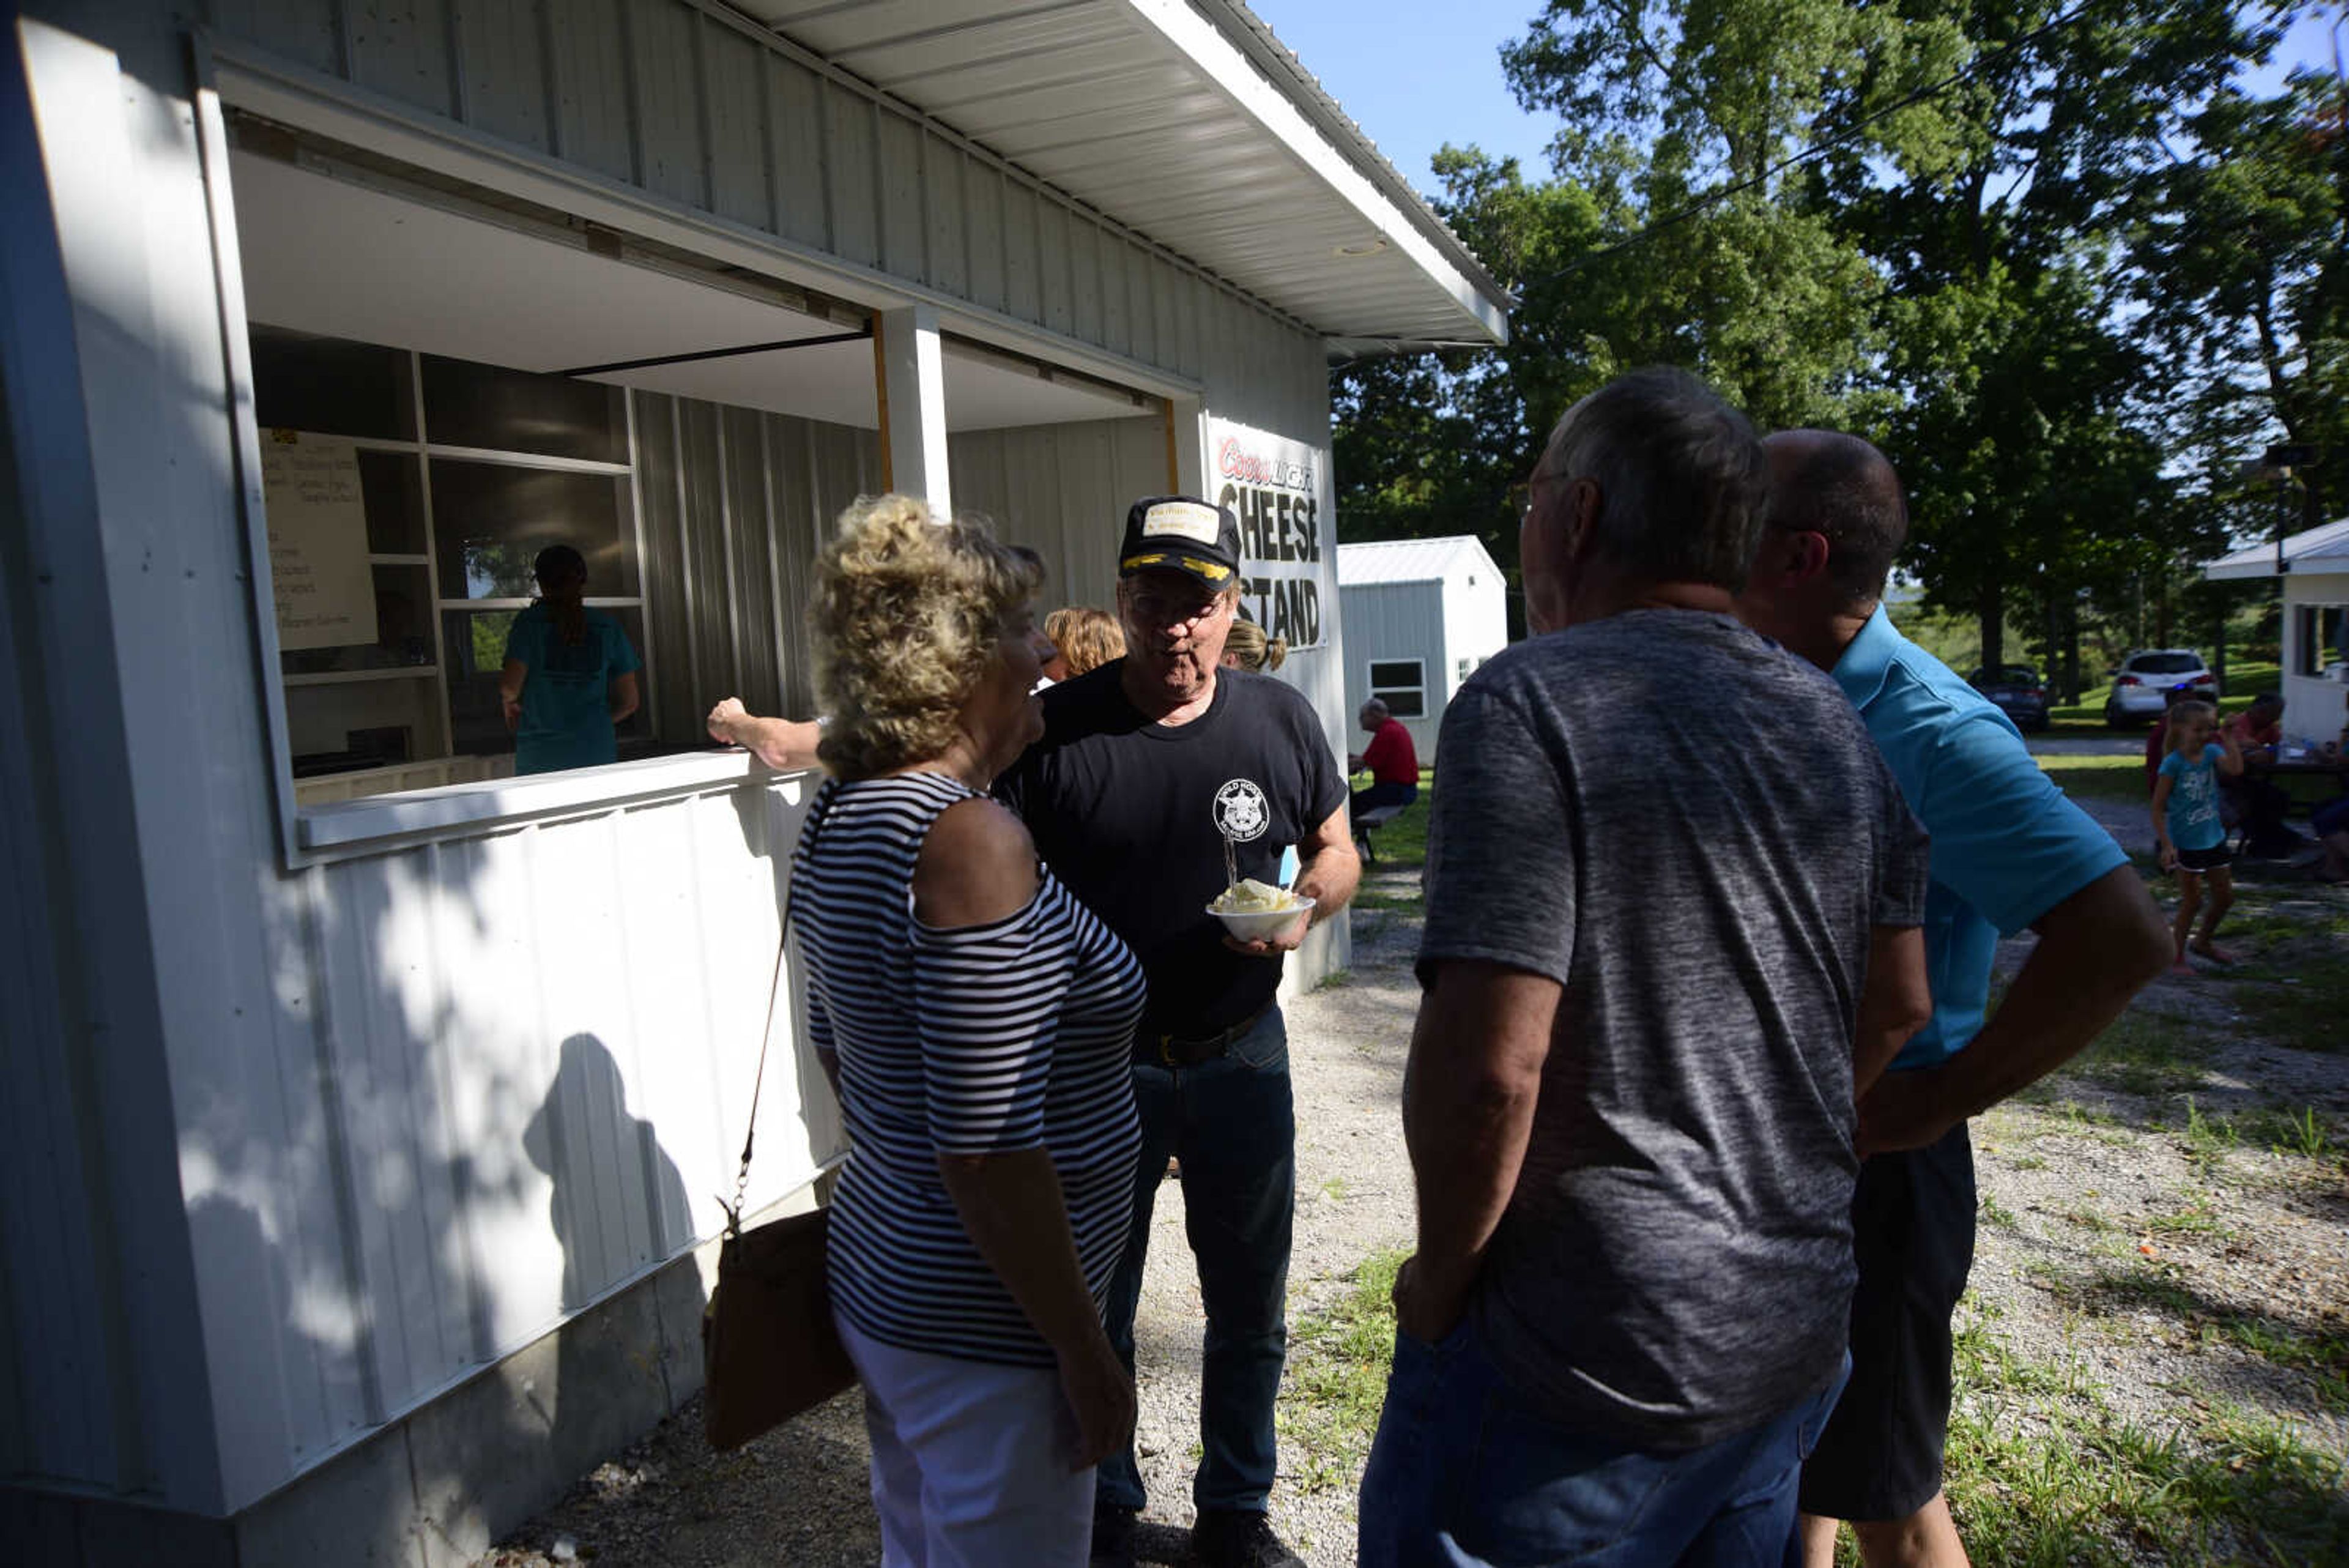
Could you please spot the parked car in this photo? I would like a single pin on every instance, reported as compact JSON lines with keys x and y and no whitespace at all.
{"x":2018,"y":691}
{"x":2142,"y":684}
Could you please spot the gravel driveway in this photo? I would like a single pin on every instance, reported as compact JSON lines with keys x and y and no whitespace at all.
{"x":797,"y":1496}
{"x":2154,"y":1258}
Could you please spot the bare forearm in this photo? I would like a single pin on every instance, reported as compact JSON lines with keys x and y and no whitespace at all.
{"x":2096,"y":950}
{"x":1467,"y":1141}
{"x":1012,"y":1206}
{"x":1897,"y":1002}
{"x":1330,"y":879}
{"x":1469,"y":1092}
{"x":781,"y":743}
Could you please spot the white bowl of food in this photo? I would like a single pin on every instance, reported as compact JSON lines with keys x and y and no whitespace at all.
{"x":1253,"y":912}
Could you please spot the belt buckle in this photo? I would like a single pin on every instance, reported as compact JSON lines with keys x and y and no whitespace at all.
{"x":1167,"y":1053}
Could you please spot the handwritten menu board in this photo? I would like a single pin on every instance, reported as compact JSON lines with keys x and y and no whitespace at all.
{"x":317,"y":541}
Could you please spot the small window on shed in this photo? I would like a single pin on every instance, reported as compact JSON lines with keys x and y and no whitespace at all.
{"x":1402,"y":685}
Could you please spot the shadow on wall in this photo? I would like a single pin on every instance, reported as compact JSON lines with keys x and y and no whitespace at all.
{"x":478,"y":1459}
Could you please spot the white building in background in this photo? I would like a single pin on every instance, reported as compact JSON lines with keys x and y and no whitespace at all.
{"x":1421,"y":616}
{"x":2314,"y":565}
{"x":367,"y":1107}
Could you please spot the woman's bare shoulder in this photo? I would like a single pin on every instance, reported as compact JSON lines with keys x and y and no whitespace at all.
{"x":977,"y":865}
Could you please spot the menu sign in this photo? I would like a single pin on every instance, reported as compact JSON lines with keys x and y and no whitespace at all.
{"x":317,"y":541}
{"x":1274,"y":486}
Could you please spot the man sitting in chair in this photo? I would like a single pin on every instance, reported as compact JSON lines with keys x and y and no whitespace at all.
{"x":1392,"y":760}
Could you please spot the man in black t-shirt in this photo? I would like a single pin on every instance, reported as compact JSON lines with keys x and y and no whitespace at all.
{"x":1148,"y":765}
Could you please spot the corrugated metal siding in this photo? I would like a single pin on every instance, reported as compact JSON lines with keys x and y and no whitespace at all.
{"x":1396,"y":620}
{"x":1062,"y":490}
{"x":663,"y":94}
{"x":730,"y":537}
{"x":1085,"y":95}
{"x":514,"y":1070}
{"x":362,"y":1058}
{"x":55,"y":1419}
{"x":1475,"y":623}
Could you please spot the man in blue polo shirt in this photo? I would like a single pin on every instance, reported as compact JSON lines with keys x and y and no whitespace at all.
{"x":2010,"y":851}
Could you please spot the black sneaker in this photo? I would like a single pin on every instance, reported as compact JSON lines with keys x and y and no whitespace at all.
{"x":1112,"y":1537}
{"x":1238,"y":1538}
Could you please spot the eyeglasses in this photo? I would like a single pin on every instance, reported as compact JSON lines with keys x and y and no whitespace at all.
{"x":1173,"y":609}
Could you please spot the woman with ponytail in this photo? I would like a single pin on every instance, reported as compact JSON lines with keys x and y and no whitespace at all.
{"x":1247,"y":648}
{"x":570,"y":677}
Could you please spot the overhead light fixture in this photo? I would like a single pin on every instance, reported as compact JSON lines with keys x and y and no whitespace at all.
{"x":1361,"y":248}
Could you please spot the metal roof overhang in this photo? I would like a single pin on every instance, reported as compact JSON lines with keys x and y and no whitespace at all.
{"x":2324,"y":549}
{"x":1187,"y":121}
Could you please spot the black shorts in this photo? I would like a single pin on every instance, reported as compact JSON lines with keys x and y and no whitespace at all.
{"x":1913,"y":1235}
{"x":2217,"y":857}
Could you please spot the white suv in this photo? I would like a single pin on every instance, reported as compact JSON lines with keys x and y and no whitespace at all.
{"x":2141,"y":685}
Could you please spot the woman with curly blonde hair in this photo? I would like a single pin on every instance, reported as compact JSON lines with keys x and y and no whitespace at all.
{"x":1083,"y":639}
{"x":977,"y":1023}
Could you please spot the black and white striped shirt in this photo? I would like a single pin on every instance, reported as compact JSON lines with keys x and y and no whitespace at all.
{"x":986,"y":1039}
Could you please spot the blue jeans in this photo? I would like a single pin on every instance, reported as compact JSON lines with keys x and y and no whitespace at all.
{"x":1231,"y":1122}
{"x":1465,"y":1474}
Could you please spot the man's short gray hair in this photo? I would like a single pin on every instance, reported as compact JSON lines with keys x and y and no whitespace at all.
{"x":1374,"y":705}
{"x":1682,"y":484}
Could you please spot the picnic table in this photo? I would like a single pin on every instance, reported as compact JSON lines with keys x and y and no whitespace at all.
{"x":2310,"y":779}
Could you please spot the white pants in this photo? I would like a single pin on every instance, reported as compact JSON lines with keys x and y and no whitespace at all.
{"x":970,"y":1463}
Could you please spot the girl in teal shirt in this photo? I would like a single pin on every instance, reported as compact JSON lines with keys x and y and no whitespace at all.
{"x":570,"y":676}
{"x":2186,"y":827}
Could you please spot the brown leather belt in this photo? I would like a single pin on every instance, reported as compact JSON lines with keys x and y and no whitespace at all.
{"x":1171,"y":1051}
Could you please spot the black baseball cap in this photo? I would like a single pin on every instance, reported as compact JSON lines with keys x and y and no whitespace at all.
{"x":1182,"y":533}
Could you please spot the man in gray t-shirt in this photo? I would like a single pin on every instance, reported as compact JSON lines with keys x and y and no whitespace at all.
{"x":1673,"y":894}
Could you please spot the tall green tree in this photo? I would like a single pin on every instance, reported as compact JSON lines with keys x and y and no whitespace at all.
{"x":2240,"y":262}
{"x":1906,"y":220}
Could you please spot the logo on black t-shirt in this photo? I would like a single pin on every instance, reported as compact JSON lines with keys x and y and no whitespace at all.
{"x":1241,"y":813}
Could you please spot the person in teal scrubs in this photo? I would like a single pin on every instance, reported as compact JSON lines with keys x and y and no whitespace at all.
{"x":570,"y":676}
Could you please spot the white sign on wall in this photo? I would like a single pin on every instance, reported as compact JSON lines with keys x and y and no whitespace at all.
{"x":317,"y":541}
{"x":1276,"y":487}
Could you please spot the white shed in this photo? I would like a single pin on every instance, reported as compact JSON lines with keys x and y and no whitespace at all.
{"x":1421,"y":616}
{"x":366,"y":1106}
{"x":2314,"y":565}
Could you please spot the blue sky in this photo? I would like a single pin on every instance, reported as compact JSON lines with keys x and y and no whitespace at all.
{"x":1416,"y":74}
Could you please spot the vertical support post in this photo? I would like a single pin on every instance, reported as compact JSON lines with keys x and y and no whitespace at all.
{"x":912,"y":401}
{"x":1187,"y":448}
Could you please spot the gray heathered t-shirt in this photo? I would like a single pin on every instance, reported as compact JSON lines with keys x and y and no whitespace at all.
{"x":1691,"y":831}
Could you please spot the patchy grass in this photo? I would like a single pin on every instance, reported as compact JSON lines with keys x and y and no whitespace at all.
{"x":2041,"y":1471}
{"x":2323,"y":1354}
{"x":2109,"y":778}
{"x":1401,"y":845}
{"x":1997,"y":1215}
{"x":1337,"y":1382}
{"x":2145,"y":1053}
{"x":2208,"y":1140}
{"x":2300,"y":1133}
{"x":2307,"y":1009}
{"x":2193,"y":1219}
{"x":1334,"y":979}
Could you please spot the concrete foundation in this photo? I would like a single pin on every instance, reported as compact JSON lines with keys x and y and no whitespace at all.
{"x":434,"y":1488}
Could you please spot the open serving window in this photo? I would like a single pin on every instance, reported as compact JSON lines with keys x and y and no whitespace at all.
{"x":446,"y":381}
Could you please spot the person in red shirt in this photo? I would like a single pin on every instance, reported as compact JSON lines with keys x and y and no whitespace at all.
{"x":1392,"y":760}
{"x":2257,"y":801}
